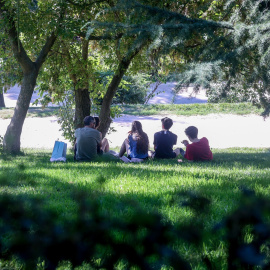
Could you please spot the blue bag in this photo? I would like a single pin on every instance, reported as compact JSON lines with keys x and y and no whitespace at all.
{"x":59,"y":151}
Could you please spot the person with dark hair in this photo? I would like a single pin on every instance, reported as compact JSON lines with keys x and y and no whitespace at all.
{"x":164,"y":141}
{"x":87,"y":140}
{"x":136,"y":145}
{"x":199,"y":148}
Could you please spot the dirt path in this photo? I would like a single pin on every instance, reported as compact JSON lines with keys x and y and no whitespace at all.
{"x":222,"y":131}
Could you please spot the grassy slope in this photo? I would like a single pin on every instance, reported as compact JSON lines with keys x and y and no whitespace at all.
{"x":154,"y":185}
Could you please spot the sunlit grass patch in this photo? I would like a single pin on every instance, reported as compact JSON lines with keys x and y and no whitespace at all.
{"x":192,"y":109}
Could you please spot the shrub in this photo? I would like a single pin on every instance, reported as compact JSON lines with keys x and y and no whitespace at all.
{"x":65,"y":117}
{"x":133,"y":91}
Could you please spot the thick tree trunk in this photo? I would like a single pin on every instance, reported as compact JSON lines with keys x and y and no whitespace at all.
{"x":2,"y":100}
{"x":82,"y":99}
{"x":12,"y":138}
{"x":82,"y":106}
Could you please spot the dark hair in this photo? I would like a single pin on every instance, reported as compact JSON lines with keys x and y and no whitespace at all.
{"x":167,"y":122}
{"x":192,"y":132}
{"x":88,"y":120}
{"x":143,"y":141}
{"x":97,"y":121}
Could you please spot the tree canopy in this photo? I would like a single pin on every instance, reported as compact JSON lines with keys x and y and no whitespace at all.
{"x":236,"y":61}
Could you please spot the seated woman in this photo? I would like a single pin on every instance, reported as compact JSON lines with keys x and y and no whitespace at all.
{"x":136,"y":145}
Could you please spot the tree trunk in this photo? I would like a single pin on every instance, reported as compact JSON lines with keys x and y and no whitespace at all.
{"x":2,"y":101}
{"x":82,"y":106}
{"x":12,"y":137}
{"x":82,"y":99}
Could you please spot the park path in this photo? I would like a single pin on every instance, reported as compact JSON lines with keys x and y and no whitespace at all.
{"x":222,"y":131}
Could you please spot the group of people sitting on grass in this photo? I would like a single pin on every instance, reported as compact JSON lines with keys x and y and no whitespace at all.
{"x":89,"y":143}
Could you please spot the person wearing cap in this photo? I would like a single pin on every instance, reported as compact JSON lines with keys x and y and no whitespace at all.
{"x":87,"y":140}
{"x":199,"y":149}
{"x":164,"y":141}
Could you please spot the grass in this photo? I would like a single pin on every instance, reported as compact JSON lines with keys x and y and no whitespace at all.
{"x":192,"y":109}
{"x":160,"y":109}
{"x":153,"y":185}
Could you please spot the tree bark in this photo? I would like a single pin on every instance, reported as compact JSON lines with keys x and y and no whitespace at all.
{"x":82,"y":106}
{"x":82,"y":99}
{"x":12,"y":138}
{"x":2,"y":100}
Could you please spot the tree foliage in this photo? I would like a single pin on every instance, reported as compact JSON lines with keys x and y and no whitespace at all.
{"x":234,"y":64}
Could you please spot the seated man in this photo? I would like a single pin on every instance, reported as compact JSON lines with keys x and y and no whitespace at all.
{"x":199,"y":149}
{"x":87,"y":140}
{"x":164,"y":141}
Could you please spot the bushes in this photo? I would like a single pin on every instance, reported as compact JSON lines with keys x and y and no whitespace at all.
{"x":222,"y":93}
{"x":133,"y":91}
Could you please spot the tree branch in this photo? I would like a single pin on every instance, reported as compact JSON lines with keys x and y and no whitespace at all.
{"x":85,"y":5}
{"x":50,"y":40}
{"x":105,"y":37}
{"x":17,"y":48}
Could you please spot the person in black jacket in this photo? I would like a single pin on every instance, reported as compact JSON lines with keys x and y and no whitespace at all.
{"x":164,"y":141}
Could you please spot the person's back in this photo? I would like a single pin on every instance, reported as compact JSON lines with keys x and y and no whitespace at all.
{"x":135,"y":150}
{"x":136,"y":145}
{"x":199,"y":149}
{"x":165,"y":140}
{"x":87,"y":139}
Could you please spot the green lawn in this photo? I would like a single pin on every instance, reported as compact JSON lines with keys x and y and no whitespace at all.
{"x":163,"y":109}
{"x":154,"y":186}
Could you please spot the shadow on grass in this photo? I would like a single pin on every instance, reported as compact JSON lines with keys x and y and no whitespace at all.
{"x":34,"y":175}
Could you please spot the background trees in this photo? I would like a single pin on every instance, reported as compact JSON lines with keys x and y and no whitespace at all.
{"x":234,"y":65}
